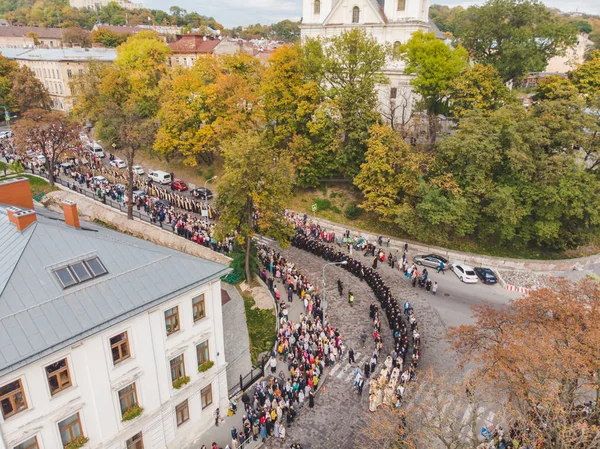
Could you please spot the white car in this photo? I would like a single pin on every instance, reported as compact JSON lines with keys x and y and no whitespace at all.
{"x":465,"y":273}
{"x":99,"y":180}
{"x":5,"y":134}
{"x":138,"y":170}
{"x":119,"y":163}
{"x":41,"y":159}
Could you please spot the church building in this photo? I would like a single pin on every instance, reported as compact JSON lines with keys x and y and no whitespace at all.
{"x":390,"y":22}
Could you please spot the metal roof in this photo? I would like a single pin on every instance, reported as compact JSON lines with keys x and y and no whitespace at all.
{"x":38,"y":316}
{"x":60,"y":54}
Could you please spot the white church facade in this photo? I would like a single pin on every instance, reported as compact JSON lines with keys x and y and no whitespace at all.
{"x":390,"y":22}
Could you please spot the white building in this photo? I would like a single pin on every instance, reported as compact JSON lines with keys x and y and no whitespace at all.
{"x":93,"y":325}
{"x":574,"y":56}
{"x":100,"y":3}
{"x":390,"y":22}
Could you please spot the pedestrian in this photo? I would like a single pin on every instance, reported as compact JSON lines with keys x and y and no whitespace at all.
{"x":217,"y":417}
{"x":434,"y":287}
{"x":273,"y":364}
{"x":311,"y":399}
{"x":361,"y":384}
{"x":351,"y":356}
{"x":363,"y":337}
{"x":441,"y":268}
{"x":406,"y":247}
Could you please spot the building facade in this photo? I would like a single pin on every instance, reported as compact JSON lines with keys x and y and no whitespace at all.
{"x":56,"y":68}
{"x":94,"y":4}
{"x":390,"y":22}
{"x":12,"y":36}
{"x":103,"y":335}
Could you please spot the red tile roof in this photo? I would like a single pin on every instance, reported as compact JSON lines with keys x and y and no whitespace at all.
{"x":194,"y":43}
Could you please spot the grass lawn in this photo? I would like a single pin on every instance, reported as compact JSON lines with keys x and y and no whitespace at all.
{"x":36,"y":185}
{"x":261,"y":328}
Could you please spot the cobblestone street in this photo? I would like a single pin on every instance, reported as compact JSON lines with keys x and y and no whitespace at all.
{"x":339,"y":412}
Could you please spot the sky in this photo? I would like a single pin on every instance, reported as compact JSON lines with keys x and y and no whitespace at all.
{"x":232,"y":13}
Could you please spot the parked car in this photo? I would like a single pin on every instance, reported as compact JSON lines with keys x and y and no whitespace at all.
{"x":99,"y":180}
{"x":202,"y":193}
{"x":430,"y":260}
{"x":119,"y":163}
{"x":139,"y":194}
{"x":41,"y":159}
{"x":161,"y":203}
{"x":162,"y":177}
{"x":180,"y":185}
{"x":465,"y":273}
{"x":66,"y":165}
{"x":5,"y":135}
{"x":138,"y":170}
{"x":486,"y":275}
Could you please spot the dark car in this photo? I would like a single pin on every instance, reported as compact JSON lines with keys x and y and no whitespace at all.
{"x":202,"y":193}
{"x":486,"y":275}
{"x":430,"y":260}
{"x":161,"y":203}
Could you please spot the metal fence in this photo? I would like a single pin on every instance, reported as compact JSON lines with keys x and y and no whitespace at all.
{"x":249,"y":379}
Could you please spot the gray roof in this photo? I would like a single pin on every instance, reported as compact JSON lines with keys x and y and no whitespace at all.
{"x":433,"y":27}
{"x":38,"y":316}
{"x":60,"y":54}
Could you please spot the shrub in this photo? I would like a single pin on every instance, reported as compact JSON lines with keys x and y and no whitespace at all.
{"x":323,"y":204}
{"x":210,"y":172}
{"x":205,"y":366}
{"x":132,"y":413}
{"x":77,"y":443}
{"x":352,"y":212}
{"x":181,"y":382}
{"x":336,"y":209}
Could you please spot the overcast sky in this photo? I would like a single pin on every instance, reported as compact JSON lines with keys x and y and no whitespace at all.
{"x":245,"y":12}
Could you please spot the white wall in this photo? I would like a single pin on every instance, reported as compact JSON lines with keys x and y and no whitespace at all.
{"x":96,"y":382}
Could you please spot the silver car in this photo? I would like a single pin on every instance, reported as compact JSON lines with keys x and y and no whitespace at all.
{"x":430,"y":260}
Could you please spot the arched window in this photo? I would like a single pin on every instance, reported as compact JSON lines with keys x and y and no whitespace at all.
{"x":401,"y":5}
{"x":355,"y":14}
{"x":317,"y":6}
{"x":397,"y":47}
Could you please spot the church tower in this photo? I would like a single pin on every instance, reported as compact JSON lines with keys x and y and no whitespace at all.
{"x":399,"y":10}
{"x":315,"y":11}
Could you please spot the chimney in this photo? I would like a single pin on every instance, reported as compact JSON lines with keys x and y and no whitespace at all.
{"x":11,"y":211}
{"x":71,"y":215}
{"x":24,"y":218}
{"x":16,"y":192}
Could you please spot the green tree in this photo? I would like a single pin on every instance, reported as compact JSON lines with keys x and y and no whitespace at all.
{"x":7,"y":67}
{"x":435,"y":65}
{"x":76,"y":35}
{"x":477,"y":87}
{"x":586,"y":79}
{"x":27,"y":91}
{"x":350,"y":65}
{"x":253,"y":192}
{"x":514,"y":36}
{"x":108,"y":38}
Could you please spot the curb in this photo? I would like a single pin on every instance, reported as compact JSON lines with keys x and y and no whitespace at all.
{"x":513,"y":288}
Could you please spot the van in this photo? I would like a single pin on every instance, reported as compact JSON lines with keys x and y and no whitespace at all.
{"x":97,"y":150}
{"x":162,"y":177}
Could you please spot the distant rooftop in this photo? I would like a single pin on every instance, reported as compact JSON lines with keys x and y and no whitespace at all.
{"x":41,"y":32}
{"x":38,"y":316}
{"x":60,"y":54}
{"x":194,"y":43}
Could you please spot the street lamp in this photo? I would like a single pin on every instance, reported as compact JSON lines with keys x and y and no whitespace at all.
{"x":324,"y":302}
{"x":206,"y":182}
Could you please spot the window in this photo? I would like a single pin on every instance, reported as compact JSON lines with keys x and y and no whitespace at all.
{"x":69,"y":74}
{"x":128,"y":398}
{"x":70,"y":429}
{"x":206,"y":396}
{"x":31,"y":443}
{"x":202,"y":352}
{"x":199,"y":307}
{"x":80,"y":271}
{"x":317,"y":6}
{"x":12,"y":398}
{"x":119,"y":347}
{"x":355,"y":14}
{"x":58,"y":376}
{"x":401,"y":5}
{"x":172,"y":320}
{"x":135,"y":442}
{"x":394,"y":92}
{"x":182,"y":412}
{"x":397,"y":45}
{"x":177,"y":368}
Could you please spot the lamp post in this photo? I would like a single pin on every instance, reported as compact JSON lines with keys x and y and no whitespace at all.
{"x":324,"y":302}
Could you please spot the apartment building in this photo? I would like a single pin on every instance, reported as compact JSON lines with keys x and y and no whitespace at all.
{"x":95,"y":4}
{"x":12,"y":36}
{"x":106,"y":340}
{"x":55,"y":68}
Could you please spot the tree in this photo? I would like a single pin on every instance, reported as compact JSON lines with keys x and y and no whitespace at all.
{"x":7,"y":67}
{"x":586,"y":78}
{"x":477,"y":87}
{"x":390,"y":174}
{"x":350,"y":65}
{"x":52,"y":134}
{"x":123,"y":99}
{"x":435,"y":65}
{"x":514,"y":36}
{"x":108,"y":38}
{"x":253,"y":192}
{"x":76,"y":35}
{"x":27,"y":91}
{"x":541,"y":355}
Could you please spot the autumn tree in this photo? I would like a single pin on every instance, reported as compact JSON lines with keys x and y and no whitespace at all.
{"x":477,"y":87}
{"x":514,"y":36}
{"x":435,"y":65}
{"x":253,"y":192}
{"x":108,"y":38}
{"x":51,"y":134}
{"x":28,"y":92}
{"x":541,"y":355}
{"x":123,"y":99}
{"x":350,"y":65}
{"x":76,"y":35}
